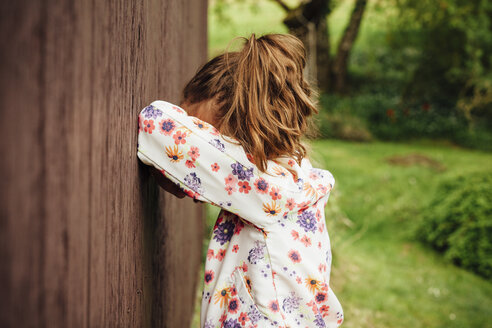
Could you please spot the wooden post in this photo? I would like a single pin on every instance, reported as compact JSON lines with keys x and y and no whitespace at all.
{"x":87,"y":239}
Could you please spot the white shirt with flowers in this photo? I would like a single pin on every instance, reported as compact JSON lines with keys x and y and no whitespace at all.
{"x":269,"y":258}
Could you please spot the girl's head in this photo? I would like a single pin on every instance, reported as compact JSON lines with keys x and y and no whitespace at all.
{"x":258,"y":96}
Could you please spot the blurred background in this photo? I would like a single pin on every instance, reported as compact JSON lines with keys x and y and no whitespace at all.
{"x":405,"y":128}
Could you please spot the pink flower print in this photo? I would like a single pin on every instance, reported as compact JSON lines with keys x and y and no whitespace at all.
{"x":190,"y":164}
{"x":220,"y":254}
{"x":320,"y":297}
{"x":233,"y":290}
{"x":302,"y":206}
{"x":312,"y":305}
{"x":294,"y":256}
{"x":244,"y":186}
{"x":291,"y":162}
{"x":295,"y":234}
{"x":298,"y":280}
{"x":209,"y":276}
{"x":273,"y":306}
{"x":194,"y":152}
{"x":233,"y":305}
{"x":215,"y":167}
{"x":235,"y":248}
{"x":319,"y":245}
{"x":306,"y":241}
{"x":243,"y":317}
{"x":210,"y":254}
{"x":339,"y":318}
{"x":215,"y":131}
{"x":261,"y":186}
{"x":322,"y":267}
{"x":239,"y":227}
{"x":244,"y":267}
{"x":148,"y":126}
{"x":179,"y":110}
{"x":275,"y":193}
{"x":322,"y":188}
{"x":313,"y":175}
{"x":219,"y":221}
{"x":318,"y":215}
{"x":325,"y":310}
{"x":230,"y":180}
{"x":290,"y":203}
{"x":230,"y":189}
{"x":179,"y":137}
{"x":167,"y":126}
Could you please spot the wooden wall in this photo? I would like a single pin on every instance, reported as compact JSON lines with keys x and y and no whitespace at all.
{"x":86,"y":237}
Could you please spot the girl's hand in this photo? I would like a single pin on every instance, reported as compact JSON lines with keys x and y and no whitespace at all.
{"x":167,"y":184}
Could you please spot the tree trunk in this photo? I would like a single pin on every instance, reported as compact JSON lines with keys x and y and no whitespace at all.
{"x":345,"y":46}
{"x":323,"y":58}
{"x":306,"y":22}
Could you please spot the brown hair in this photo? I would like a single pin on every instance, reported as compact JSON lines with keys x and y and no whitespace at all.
{"x":261,"y":97}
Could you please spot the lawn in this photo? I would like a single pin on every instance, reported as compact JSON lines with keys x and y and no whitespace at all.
{"x":382,"y":277}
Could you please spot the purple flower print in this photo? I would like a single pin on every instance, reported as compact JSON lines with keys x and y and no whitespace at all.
{"x":226,"y":203}
{"x":193,"y":182}
{"x":300,"y":184}
{"x":318,"y":321}
{"x":217,"y":144}
{"x":253,"y":314}
{"x":320,"y":297}
{"x":291,"y":303}
{"x":319,"y":172}
{"x":233,"y":305}
{"x":241,"y":171}
{"x":328,"y":257}
{"x":231,"y":323}
{"x":209,"y":324}
{"x":151,"y":112}
{"x":224,"y":231}
{"x":256,"y":253}
{"x":167,"y":126}
{"x":209,"y":276}
{"x":307,"y":221}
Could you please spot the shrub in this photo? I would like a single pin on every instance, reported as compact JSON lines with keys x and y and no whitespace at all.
{"x":343,"y":126}
{"x":458,"y":222}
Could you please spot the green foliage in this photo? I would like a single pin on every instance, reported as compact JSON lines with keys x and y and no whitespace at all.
{"x":345,"y":127}
{"x":458,"y":222}
{"x":336,"y":120}
{"x":453,"y":39}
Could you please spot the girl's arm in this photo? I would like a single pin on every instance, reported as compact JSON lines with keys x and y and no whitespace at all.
{"x":192,"y":154}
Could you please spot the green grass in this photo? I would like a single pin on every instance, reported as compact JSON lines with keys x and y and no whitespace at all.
{"x":382,"y":277}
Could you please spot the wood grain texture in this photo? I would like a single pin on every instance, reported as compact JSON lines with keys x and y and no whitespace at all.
{"x":87,"y":239}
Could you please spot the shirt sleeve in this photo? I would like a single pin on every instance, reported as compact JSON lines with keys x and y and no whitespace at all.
{"x":207,"y":166}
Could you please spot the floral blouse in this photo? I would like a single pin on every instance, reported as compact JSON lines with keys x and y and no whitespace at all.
{"x":269,"y":258}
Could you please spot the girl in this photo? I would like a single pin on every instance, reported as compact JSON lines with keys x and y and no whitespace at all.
{"x":235,"y":142}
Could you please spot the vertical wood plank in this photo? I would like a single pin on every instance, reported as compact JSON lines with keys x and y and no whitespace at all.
{"x":87,"y":239}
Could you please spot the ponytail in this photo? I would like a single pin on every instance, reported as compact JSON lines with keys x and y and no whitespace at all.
{"x":262,"y":98}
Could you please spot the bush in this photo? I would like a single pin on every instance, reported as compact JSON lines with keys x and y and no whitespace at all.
{"x":417,"y":121}
{"x":458,"y":222}
{"x":343,"y":126}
